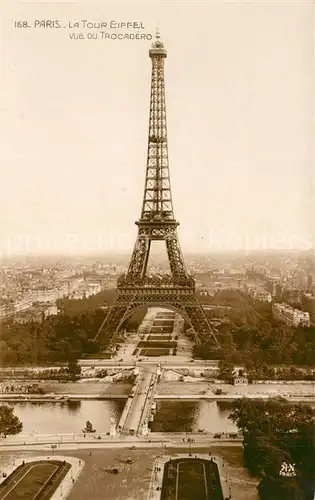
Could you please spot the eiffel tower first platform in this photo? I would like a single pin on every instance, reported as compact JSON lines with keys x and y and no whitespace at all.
{"x":157,"y":222}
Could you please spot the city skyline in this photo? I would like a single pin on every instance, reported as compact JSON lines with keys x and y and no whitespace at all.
{"x":240,"y":126}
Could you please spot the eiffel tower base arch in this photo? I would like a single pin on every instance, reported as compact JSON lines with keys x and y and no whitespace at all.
{"x":183,"y":302}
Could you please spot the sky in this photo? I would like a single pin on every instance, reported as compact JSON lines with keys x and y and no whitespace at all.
{"x":239,"y":82}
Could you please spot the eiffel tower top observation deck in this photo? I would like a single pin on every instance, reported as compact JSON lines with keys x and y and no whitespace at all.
{"x":157,"y":202}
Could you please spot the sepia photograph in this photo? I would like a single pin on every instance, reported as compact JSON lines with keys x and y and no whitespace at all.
{"x":157,"y":248}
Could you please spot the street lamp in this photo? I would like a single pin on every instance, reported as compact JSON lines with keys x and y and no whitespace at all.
{"x":189,"y":441}
{"x":156,"y":471}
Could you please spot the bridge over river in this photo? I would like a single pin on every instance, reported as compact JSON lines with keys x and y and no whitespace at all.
{"x":136,"y":414}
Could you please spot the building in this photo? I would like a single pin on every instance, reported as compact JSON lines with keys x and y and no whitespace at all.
{"x":51,"y":310}
{"x":279,"y":292}
{"x":240,"y":381}
{"x":258,"y":293}
{"x":263,"y":295}
{"x":309,"y":306}
{"x":290,"y":316}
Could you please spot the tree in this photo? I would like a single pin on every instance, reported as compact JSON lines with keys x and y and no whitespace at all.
{"x":279,"y":488}
{"x":275,"y":432}
{"x":225,"y":370}
{"x":10,"y":424}
{"x":88,"y":427}
{"x":74,"y":370}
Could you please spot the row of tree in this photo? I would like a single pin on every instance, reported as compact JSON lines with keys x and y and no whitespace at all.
{"x":264,"y":372}
{"x":57,"y":339}
{"x":74,"y":307}
{"x":251,"y":336}
{"x":248,"y":335}
{"x":62,"y":338}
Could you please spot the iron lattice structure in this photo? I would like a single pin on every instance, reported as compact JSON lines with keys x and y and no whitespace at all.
{"x":157,"y":222}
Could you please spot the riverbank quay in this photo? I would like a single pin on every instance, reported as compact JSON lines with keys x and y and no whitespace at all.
{"x":208,"y":390}
{"x":133,"y":480}
{"x":232,"y":397}
{"x":55,"y":444}
{"x":53,"y":398}
{"x":169,"y":397}
{"x":96,"y":387}
{"x":187,"y":396}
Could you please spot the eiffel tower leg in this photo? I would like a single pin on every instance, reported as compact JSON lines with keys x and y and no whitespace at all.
{"x":175,"y":256}
{"x":110,"y":323}
{"x":128,"y":312}
{"x":140,"y":256}
{"x":116,"y":316}
{"x":199,"y":321}
{"x":186,"y":315}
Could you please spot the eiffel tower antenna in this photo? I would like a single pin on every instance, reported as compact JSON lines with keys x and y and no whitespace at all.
{"x":157,"y":223}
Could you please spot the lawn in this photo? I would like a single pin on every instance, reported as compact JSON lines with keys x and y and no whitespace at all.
{"x":159,"y":345}
{"x":159,"y":337}
{"x":34,"y":480}
{"x":164,"y":322}
{"x":165,"y":314}
{"x":154,"y":352}
{"x":161,"y":329}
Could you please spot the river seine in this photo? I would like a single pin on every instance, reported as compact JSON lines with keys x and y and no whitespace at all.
{"x":192,"y":416}
{"x":67,"y":417}
{"x":170,"y":416}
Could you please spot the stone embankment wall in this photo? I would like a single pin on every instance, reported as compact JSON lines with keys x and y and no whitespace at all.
{"x":69,"y":388}
{"x":285,"y":382}
{"x":204,"y":389}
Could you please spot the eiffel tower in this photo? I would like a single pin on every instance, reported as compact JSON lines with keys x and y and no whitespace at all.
{"x":157,"y":222}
